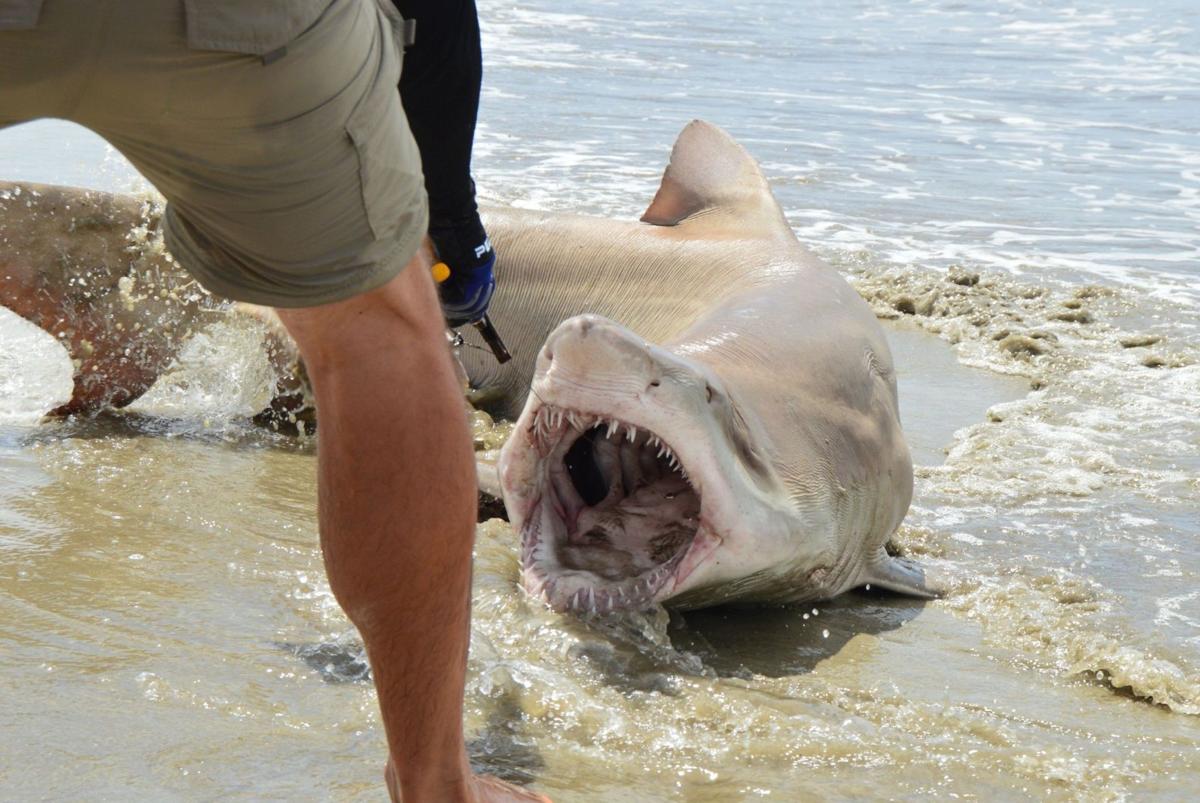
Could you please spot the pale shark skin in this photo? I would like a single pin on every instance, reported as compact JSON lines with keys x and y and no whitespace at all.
{"x":798,"y":454}
{"x":773,"y":387}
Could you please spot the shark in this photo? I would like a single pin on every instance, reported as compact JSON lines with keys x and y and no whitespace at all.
{"x":706,"y":412}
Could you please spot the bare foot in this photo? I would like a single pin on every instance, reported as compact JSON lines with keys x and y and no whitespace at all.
{"x":493,"y":790}
{"x":484,"y":789}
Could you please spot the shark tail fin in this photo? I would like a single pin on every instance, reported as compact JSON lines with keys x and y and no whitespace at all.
{"x":711,"y":176}
{"x":899,"y":575}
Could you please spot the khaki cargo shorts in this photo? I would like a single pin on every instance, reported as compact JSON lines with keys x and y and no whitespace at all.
{"x":273,"y":128}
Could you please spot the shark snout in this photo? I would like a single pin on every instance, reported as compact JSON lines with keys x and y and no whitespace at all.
{"x":588,"y":349}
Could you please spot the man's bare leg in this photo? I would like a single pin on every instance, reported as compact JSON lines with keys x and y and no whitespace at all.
{"x":397,"y":516}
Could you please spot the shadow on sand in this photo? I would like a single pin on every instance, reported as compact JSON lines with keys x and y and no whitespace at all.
{"x":786,"y":640}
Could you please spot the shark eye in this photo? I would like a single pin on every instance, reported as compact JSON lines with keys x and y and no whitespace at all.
{"x":708,"y":391}
{"x":655,"y":383}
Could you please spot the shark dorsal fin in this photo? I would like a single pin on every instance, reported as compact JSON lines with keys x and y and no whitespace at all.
{"x":710,"y":175}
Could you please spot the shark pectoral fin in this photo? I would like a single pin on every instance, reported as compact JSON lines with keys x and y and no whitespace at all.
{"x":901,"y":576}
{"x":491,"y":496}
{"x":487,"y":473}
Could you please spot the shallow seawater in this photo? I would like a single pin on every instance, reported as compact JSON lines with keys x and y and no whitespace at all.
{"x":1014,"y":187}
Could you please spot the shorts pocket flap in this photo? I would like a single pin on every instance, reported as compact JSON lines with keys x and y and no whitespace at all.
{"x":254,"y":28}
{"x":19,"y":15}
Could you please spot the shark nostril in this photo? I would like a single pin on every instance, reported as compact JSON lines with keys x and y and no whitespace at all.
{"x":653,"y":384}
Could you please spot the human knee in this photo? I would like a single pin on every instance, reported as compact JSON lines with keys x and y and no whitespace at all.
{"x":402,"y":314}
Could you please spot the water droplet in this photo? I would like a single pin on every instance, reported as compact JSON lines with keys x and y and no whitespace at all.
{"x":824,"y":634}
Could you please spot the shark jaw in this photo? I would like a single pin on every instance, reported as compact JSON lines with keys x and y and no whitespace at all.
{"x":611,"y":517}
{"x":635,"y":479}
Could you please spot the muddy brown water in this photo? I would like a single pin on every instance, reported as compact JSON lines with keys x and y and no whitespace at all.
{"x":166,"y":633}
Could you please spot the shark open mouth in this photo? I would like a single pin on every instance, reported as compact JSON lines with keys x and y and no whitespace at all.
{"x":614,"y":516}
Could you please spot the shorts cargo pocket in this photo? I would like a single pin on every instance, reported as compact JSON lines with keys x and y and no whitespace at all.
{"x":19,"y":15}
{"x":388,"y":163}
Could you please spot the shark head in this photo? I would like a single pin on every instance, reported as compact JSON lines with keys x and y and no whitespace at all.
{"x":634,"y":478}
{"x":754,"y":456}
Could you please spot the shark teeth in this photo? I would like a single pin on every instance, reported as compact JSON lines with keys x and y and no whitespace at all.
{"x":565,"y":593}
{"x":549,"y":420}
{"x":553,"y":430}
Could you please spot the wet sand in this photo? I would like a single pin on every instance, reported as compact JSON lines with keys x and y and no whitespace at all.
{"x":168,"y":634}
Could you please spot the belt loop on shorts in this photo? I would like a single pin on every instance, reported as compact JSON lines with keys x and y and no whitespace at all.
{"x":409,"y":34}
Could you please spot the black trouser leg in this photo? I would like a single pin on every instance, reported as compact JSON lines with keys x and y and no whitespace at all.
{"x":439,"y":88}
